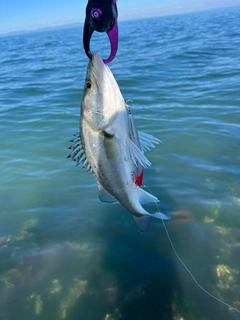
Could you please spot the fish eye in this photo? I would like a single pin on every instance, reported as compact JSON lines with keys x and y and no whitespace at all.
{"x":89,"y":86}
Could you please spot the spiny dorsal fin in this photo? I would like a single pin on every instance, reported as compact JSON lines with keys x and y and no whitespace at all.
{"x":78,"y":154}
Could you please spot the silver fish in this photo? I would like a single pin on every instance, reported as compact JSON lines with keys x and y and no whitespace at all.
{"x":109,"y":145}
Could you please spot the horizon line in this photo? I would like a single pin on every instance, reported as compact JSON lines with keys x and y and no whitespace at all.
{"x":80,"y":23}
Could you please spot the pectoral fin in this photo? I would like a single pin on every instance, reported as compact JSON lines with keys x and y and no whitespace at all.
{"x":147,"y":141}
{"x":136,"y":154}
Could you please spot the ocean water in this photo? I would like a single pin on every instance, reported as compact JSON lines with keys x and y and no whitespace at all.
{"x":66,"y":255}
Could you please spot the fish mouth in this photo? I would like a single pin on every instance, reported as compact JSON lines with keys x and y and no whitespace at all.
{"x":101,"y":73}
{"x":97,"y":63}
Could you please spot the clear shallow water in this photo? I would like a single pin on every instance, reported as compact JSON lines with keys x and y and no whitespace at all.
{"x":65,"y":255}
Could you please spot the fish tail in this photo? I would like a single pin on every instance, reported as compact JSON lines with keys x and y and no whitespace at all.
{"x":143,"y":222}
{"x":161,"y":215}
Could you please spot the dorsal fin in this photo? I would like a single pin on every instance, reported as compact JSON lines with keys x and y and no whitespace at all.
{"x":78,"y":154}
{"x":105,"y":196}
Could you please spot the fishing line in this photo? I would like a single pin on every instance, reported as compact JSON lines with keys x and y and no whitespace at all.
{"x":184,"y":265}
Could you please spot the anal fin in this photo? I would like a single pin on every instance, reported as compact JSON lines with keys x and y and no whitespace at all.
{"x":145,"y":197}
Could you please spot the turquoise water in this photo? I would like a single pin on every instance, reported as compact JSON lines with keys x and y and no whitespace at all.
{"x":65,"y":255}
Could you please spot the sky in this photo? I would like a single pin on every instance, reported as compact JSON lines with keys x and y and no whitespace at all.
{"x":16,"y":15}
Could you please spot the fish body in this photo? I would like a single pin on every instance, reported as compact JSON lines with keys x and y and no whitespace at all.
{"x":110,"y":146}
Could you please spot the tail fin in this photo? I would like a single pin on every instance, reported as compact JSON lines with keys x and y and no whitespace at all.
{"x":143,"y":222}
{"x":161,"y":215}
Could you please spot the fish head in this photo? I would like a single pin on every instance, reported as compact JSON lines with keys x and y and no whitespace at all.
{"x":102,"y":99}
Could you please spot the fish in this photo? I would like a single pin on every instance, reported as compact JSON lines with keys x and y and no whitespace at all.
{"x":110,"y":146}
